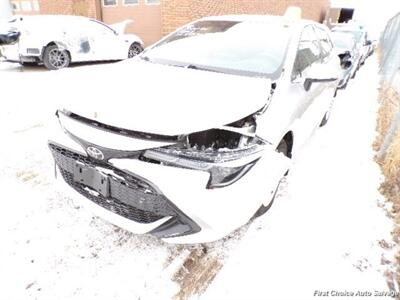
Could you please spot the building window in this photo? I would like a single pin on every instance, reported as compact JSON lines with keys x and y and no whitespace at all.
{"x":26,"y":5}
{"x":109,"y":2}
{"x":151,"y":2}
{"x":131,"y":2}
{"x":35,"y":5}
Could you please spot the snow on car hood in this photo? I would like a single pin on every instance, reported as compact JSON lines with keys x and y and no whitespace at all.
{"x":161,"y":99}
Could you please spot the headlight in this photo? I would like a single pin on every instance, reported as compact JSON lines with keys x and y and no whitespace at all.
{"x":226,"y":155}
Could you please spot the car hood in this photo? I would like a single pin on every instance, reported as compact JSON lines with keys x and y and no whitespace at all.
{"x":159,"y":99}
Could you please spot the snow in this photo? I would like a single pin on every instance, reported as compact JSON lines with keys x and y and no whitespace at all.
{"x":322,"y":233}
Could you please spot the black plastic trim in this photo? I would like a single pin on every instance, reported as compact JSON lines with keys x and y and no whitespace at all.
{"x":121,"y":131}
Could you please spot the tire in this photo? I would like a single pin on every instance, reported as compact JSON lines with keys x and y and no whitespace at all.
{"x":134,"y":50}
{"x":283,"y":148}
{"x":55,"y":58}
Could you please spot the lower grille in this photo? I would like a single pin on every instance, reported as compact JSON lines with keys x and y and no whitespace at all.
{"x":130,"y":197}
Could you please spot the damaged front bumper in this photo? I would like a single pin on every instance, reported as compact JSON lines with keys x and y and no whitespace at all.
{"x":178,"y":199}
{"x":121,"y":192}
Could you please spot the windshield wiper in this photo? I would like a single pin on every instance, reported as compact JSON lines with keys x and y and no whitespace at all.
{"x":201,"y":68}
{"x":180,"y":65}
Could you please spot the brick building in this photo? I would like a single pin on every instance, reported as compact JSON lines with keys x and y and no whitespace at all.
{"x":178,"y":12}
{"x":155,"y":18}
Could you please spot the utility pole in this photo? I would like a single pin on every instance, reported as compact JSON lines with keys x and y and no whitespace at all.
{"x":5,"y":9}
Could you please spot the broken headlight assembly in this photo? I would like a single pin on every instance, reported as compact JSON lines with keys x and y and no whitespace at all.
{"x":226,"y":154}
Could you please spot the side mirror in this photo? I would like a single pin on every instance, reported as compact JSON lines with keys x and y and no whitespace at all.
{"x":319,"y":73}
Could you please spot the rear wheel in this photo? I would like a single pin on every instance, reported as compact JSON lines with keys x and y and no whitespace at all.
{"x":134,"y":50}
{"x":55,"y":58}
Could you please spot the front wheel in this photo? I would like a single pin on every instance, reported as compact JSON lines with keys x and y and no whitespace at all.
{"x":134,"y":50}
{"x":55,"y":58}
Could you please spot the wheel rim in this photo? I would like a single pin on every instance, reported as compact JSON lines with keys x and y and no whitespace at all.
{"x":134,"y":50}
{"x":58,"y":58}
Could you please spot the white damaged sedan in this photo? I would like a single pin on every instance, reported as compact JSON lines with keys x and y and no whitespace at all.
{"x":57,"y":41}
{"x":196,"y":140}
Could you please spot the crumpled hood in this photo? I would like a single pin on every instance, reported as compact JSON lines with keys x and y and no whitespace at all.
{"x":159,"y":99}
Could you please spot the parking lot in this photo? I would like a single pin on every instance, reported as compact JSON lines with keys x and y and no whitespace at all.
{"x":327,"y":225}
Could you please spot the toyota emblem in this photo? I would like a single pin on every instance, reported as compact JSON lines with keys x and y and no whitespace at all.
{"x":95,"y":153}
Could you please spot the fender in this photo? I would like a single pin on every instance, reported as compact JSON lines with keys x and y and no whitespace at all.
{"x":61,"y":45}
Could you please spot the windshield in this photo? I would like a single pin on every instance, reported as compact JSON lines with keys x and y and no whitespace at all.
{"x":356,"y":34}
{"x":245,"y":48}
{"x":343,"y":40}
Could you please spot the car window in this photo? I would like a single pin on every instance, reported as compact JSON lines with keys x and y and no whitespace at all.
{"x":343,"y":40}
{"x":98,"y":28}
{"x":234,"y":47}
{"x":325,"y":42}
{"x":358,"y":35}
{"x":308,"y":52}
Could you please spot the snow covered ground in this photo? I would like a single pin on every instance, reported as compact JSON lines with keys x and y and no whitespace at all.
{"x":323,"y":233}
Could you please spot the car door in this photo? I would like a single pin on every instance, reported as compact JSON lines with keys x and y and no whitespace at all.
{"x":331,"y":64}
{"x":308,"y":56}
{"x":105,"y":42}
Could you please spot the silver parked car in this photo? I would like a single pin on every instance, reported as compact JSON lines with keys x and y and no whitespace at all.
{"x":360,"y":34}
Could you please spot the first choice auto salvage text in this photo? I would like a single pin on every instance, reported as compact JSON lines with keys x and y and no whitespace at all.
{"x":336,"y":293}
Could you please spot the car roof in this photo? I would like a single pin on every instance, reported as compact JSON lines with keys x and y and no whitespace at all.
{"x":46,"y":18}
{"x":348,"y":27}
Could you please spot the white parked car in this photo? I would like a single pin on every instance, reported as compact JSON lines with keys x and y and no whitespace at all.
{"x":200,"y":143}
{"x":349,"y":54}
{"x":360,"y":34}
{"x":57,"y":41}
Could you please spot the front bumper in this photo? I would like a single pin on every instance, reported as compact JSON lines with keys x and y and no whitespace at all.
{"x":124,"y":194}
{"x":169,"y":202}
